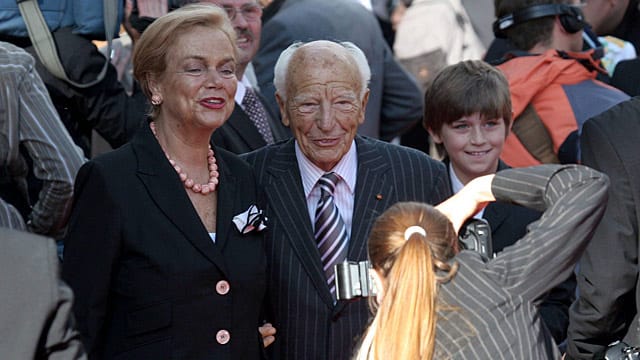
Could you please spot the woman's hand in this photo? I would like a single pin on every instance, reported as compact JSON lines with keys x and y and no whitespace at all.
{"x":268,"y":334}
{"x":468,"y":201}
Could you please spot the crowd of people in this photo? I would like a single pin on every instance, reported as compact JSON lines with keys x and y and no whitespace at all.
{"x":255,"y":146}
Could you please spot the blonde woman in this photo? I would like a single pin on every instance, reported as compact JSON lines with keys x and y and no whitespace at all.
{"x":436,"y":302}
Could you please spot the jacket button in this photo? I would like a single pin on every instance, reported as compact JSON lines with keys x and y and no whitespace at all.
{"x":223,"y":337}
{"x":222,"y":287}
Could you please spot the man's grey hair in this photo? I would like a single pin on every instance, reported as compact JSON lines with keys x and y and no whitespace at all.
{"x":280,"y":71}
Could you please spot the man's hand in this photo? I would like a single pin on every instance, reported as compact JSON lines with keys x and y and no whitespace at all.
{"x":268,"y":333}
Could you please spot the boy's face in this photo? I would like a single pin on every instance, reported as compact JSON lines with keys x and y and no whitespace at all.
{"x":473,"y":145}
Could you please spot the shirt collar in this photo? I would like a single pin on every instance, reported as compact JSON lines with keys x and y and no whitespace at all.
{"x":456,"y":184}
{"x":242,"y":88}
{"x":346,"y":168}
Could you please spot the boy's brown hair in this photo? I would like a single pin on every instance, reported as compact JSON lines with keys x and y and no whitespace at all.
{"x":466,"y":88}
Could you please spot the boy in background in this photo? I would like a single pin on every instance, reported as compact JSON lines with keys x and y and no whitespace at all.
{"x":468,"y":115}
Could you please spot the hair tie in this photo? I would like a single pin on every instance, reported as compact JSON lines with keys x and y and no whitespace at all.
{"x":414,"y":229}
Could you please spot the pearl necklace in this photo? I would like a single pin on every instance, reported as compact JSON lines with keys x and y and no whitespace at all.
{"x":203,"y":189}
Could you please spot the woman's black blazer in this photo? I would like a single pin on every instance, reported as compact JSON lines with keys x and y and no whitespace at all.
{"x":149,"y":282}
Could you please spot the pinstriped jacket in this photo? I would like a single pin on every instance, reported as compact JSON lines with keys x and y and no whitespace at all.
{"x":494,"y":305}
{"x":309,"y":325}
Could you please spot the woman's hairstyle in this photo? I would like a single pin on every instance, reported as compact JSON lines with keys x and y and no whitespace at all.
{"x":465,"y":88}
{"x":282,"y":66}
{"x":411,"y":264}
{"x":153,"y":48}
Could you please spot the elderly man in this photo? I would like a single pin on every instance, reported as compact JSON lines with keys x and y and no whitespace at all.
{"x":324,"y":188}
{"x":395,"y":100}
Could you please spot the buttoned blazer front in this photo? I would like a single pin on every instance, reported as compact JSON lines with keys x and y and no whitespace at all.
{"x":309,"y":325}
{"x":240,"y":135}
{"x":149,"y":281}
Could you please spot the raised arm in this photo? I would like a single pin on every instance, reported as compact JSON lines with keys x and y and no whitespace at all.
{"x":573,"y":198}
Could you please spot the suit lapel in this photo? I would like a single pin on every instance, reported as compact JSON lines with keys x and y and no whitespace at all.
{"x":286,"y":198}
{"x":373,"y":194}
{"x":227,"y":196}
{"x":496,"y":213}
{"x":167,"y":191}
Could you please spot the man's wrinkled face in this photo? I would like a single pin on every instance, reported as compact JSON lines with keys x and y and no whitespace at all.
{"x":324,"y":106}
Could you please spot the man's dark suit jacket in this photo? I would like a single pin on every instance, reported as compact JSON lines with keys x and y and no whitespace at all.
{"x":609,"y":287}
{"x":395,"y":101}
{"x":149,"y":281}
{"x":36,"y":320}
{"x":309,"y":325}
{"x":508,"y":224}
{"x":239,"y":135}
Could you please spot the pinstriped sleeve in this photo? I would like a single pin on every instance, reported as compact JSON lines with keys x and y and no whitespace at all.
{"x":56,"y":159}
{"x":573,"y":198}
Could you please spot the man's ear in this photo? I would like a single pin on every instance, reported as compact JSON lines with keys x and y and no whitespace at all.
{"x":365,"y":101}
{"x":283,"y":111}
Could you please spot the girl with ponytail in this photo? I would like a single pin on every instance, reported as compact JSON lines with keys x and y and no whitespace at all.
{"x":435,"y":302}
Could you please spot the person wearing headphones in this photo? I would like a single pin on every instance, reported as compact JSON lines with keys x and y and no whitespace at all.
{"x":553,"y":82}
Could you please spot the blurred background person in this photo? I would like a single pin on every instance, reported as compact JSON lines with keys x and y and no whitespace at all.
{"x":105,"y":106}
{"x":252,"y":124}
{"x":424,"y":50}
{"x":609,"y":292}
{"x":159,"y":267}
{"x":619,"y":18}
{"x":463,"y":306}
{"x":36,"y":320}
{"x":553,"y":83}
{"x":38,"y":159}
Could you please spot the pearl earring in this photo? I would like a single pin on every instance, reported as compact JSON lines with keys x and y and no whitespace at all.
{"x":156,"y":100}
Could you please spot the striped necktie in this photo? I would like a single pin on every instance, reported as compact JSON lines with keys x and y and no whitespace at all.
{"x":258,"y":115}
{"x":330,"y":231}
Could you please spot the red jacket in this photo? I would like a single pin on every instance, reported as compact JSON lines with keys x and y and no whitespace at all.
{"x":563,"y":94}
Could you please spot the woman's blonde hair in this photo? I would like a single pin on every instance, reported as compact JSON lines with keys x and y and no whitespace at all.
{"x":411,"y":267}
{"x":152,"y":49}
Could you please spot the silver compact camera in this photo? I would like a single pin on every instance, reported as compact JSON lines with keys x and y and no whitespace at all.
{"x":619,"y":350}
{"x":353,"y":279}
{"x":475,"y":235}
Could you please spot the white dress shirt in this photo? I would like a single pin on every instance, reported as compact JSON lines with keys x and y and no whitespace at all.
{"x":457,"y":185}
{"x":344,"y":193}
